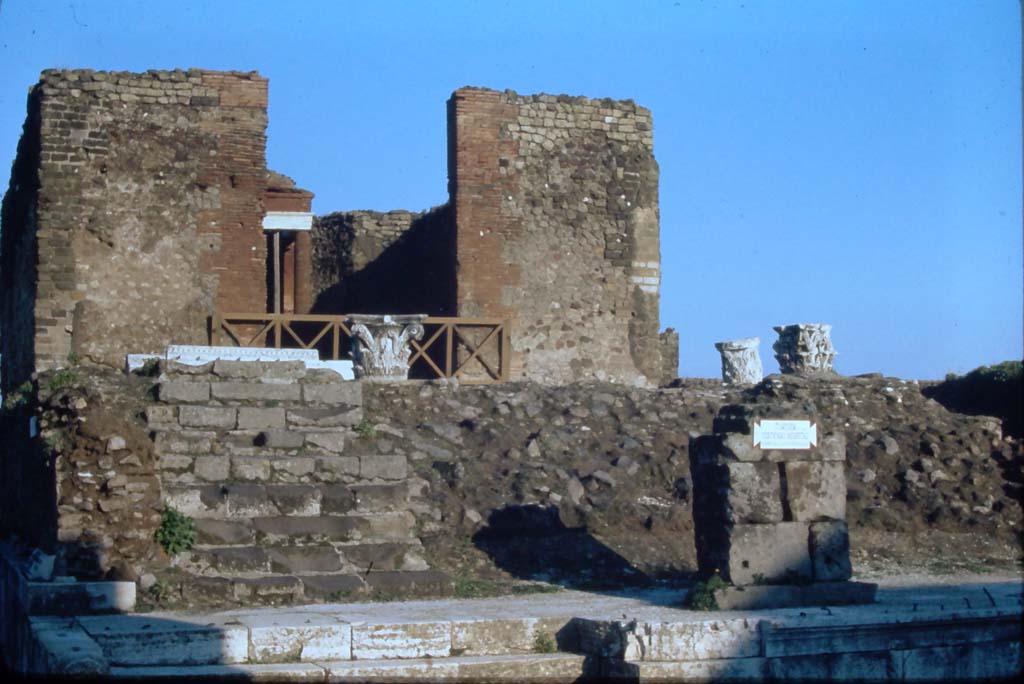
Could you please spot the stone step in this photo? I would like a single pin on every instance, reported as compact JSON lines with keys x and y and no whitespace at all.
{"x":527,"y":669}
{"x":256,"y":500}
{"x":294,"y":530}
{"x":283,"y":589}
{"x":292,"y":558}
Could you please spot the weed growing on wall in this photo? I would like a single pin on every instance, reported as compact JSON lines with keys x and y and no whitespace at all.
{"x":365,"y":430}
{"x":19,"y":397}
{"x":544,"y":643}
{"x":176,"y":532}
{"x":702,"y":596}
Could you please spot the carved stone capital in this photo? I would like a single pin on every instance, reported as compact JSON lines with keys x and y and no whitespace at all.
{"x":380,"y":345}
{"x":804,"y":348}
{"x":741,"y":361}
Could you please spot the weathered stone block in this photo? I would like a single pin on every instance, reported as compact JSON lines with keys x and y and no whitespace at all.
{"x":256,"y":418}
{"x":383,"y":466}
{"x":329,"y":441}
{"x":302,"y":637}
{"x":339,"y":393}
{"x":325,"y":417}
{"x":331,"y":586}
{"x":249,"y":391}
{"x":771,"y":553}
{"x":830,"y":551}
{"x":401,"y":640}
{"x":305,"y":530}
{"x":250,"y":468}
{"x":381,"y":497}
{"x":754,"y":494}
{"x":295,"y":499}
{"x":224,"y":532}
{"x":173,"y":391}
{"x":816,"y":490}
{"x":207,"y":416}
{"x":334,"y":468}
{"x":336,"y":499}
{"x":212,"y":468}
{"x":159,"y":416}
{"x":234,"y":559}
{"x":204,"y":501}
{"x":281,"y":439}
{"x":296,"y":466}
{"x":184,"y":442}
{"x":263,"y":370}
{"x":303,"y":559}
{"x":249,"y":501}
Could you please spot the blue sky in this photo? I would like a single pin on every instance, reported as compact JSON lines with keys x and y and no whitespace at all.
{"x":856,"y":163}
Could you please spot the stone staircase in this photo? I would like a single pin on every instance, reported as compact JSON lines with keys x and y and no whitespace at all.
{"x":292,"y":496}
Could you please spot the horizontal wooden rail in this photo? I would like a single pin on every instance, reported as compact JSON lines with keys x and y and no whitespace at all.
{"x":474,"y":350}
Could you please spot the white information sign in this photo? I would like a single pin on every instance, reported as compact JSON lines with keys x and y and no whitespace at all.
{"x":785,"y":434}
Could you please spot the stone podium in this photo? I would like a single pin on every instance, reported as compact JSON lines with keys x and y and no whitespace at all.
{"x":770,"y":508}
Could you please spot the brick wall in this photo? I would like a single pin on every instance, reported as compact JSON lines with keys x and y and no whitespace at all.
{"x":139,"y":195}
{"x":556,"y":224}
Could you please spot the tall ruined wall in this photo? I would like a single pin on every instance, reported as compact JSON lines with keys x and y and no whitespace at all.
{"x":556,"y":215}
{"x":139,"y":196}
{"x":377,"y":262}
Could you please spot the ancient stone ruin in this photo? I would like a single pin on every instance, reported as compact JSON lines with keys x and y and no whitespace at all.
{"x":141,"y":208}
{"x":741,"y":361}
{"x":804,"y":348}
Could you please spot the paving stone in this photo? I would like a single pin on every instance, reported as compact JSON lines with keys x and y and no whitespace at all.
{"x":830,"y":551}
{"x":383,"y":466}
{"x":816,"y":491}
{"x":207,"y":416}
{"x":304,"y":559}
{"x":183,"y":392}
{"x":255,"y":418}
{"x":325,"y":417}
{"x":285,"y":672}
{"x":768,"y":552}
{"x":247,"y":391}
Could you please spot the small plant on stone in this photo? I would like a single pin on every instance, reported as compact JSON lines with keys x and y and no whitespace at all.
{"x":365,"y":430}
{"x":160,"y":592}
{"x":150,"y":368}
{"x":176,"y":532}
{"x":544,"y":643}
{"x":271,"y":403}
{"x":702,"y":596}
{"x":19,"y":397}
{"x":61,"y":379}
{"x":74,"y":359}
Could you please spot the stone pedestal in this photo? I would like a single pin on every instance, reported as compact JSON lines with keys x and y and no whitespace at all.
{"x":380,"y":345}
{"x":767,"y":515}
{"x":741,"y":361}
{"x":804,"y":348}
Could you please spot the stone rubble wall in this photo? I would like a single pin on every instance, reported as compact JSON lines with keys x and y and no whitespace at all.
{"x":556,"y":215}
{"x":265,"y":457}
{"x":396,"y":262}
{"x":138,"y":196}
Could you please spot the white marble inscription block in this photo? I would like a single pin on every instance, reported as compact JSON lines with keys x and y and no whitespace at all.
{"x":785,"y":434}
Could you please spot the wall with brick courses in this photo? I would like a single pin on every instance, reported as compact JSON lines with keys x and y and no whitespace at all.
{"x":556,"y":215}
{"x":147,"y":212}
{"x":384,"y":262}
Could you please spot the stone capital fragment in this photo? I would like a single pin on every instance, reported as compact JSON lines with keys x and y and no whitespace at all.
{"x":741,"y":361}
{"x":804,"y":348}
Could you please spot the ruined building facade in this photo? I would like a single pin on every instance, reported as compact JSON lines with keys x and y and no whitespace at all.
{"x":140,"y":205}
